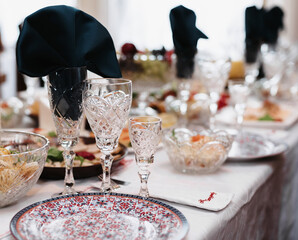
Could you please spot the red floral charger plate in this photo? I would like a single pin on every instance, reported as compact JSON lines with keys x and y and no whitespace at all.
{"x":99,"y":216}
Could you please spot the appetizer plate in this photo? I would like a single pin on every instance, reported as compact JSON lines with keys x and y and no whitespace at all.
{"x":227,"y":116}
{"x":83,"y":171}
{"x":250,"y":146}
{"x":99,"y":216}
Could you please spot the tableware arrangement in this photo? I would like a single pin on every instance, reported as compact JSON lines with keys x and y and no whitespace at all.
{"x":202,"y":151}
{"x":99,"y":216}
{"x":239,"y":92}
{"x":144,"y":133}
{"x":22,"y":158}
{"x":214,"y":72}
{"x":106,"y":104}
{"x":65,"y":95}
{"x":253,"y":146}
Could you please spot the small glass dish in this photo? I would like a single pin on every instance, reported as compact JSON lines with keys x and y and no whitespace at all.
{"x":12,"y":112}
{"x":22,"y":158}
{"x":202,"y":151}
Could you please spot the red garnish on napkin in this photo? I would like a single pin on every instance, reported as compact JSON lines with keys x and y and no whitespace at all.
{"x":208,"y":199}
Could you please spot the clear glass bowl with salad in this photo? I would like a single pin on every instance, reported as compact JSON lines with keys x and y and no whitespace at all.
{"x":202,"y":151}
{"x":22,"y":158}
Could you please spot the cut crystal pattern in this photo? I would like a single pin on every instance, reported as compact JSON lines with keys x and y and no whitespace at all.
{"x":144,"y":138}
{"x":67,"y":111}
{"x":107,"y":114}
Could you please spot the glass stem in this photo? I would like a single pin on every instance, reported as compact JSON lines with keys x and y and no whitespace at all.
{"x":69,"y":155}
{"x":239,"y":123}
{"x":183,"y":112}
{"x":213,"y":110}
{"x":143,"y":164}
{"x":144,"y":175}
{"x":183,"y":96}
{"x":106,"y":163}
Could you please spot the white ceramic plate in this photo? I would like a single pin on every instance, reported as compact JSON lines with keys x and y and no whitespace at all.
{"x":252,"y":146}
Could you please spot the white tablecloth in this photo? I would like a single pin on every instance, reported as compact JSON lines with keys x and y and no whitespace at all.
{"x":252,"y":214}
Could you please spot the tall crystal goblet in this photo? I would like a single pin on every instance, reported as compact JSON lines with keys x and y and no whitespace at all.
{"x":144,"y":133}
{"x":107,"y":103}
{"x":65,"y":88}
{"x":214,"y":72}
{"x":239,"y":92}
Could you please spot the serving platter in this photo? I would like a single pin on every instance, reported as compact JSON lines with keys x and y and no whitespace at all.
{"x":249,"y":146}
{"x":99,"y":216}
{"x":79,"y":172}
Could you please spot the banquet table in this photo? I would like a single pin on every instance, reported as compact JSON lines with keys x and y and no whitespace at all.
{"x":265,"y":193}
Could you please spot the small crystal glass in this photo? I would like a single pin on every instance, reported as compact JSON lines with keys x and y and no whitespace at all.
{"x":107,"y":104}
{"x":145,"y":134}
{"x":239,"y":92}
{"x":65,"y":88}
{"x":214,"y":72}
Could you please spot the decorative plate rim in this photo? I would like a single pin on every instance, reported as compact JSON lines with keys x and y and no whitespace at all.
{"x":181,"y":234}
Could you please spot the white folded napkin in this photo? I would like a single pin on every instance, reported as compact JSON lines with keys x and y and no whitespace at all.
{"x":211,"y":200}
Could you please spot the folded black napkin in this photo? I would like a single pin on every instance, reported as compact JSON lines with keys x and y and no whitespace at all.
{"x":58,"y":37}
{"x":185,"y":38}
{"x":261,"y":26}
{"x":273,"y":22}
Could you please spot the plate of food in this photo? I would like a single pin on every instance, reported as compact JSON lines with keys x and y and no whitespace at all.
{"x":87,"y":160}
{"x":249,"y":146}
{"x":266,"y":115}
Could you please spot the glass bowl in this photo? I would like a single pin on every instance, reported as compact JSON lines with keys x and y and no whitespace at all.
{"x":22,"y":158}
{"x":202,"y":151}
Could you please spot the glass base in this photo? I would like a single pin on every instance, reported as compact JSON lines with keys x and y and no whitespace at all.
{"x":143,"y":193}
{"x":67,"y":191}
{"x":100,"y":189}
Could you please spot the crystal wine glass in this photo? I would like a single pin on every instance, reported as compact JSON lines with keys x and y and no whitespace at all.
{"x":107,"y":104}
{"x":144,"y":133}
{"x":214,"y":72}
{"x":274,"y":65}
{"x":65,"y":95}
{"x":239,"y":92}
